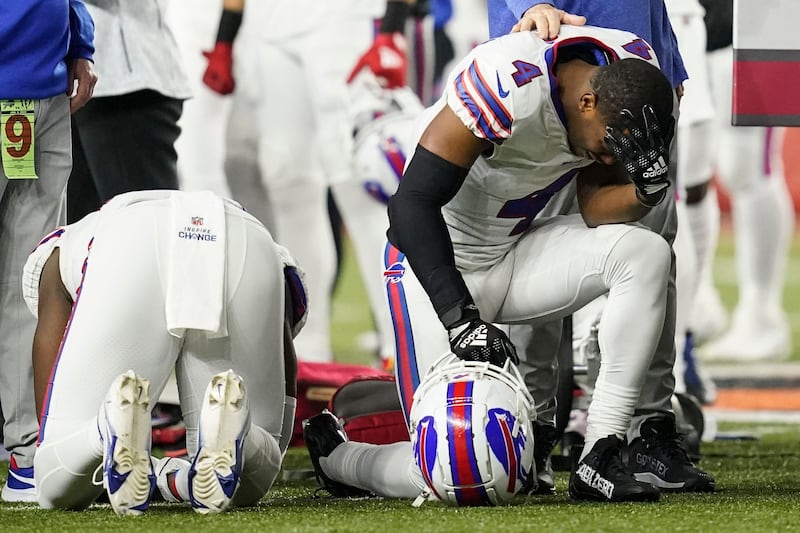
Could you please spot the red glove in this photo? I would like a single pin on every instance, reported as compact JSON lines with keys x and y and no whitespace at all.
{"x":219,"y":71}
{"x":387,"y":59}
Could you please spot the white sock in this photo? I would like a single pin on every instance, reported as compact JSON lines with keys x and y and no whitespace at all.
{"x":289,"y":409}
{"x":603,"y":419}
{"x":172,"y":478}
{"x":703,"y":220}
{"x":764,"y":222}
{"x":384,"y":469}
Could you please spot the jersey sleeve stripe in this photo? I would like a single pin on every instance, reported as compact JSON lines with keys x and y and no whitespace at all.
{"x":474,"y":110}
{"x":498,"y":110}
{"x":55,"y":234}
{"x":394,"y":156}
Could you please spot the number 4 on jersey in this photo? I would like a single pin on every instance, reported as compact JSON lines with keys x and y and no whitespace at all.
{"x":525,"y":72}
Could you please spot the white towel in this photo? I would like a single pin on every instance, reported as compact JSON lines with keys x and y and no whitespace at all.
{"x":196,"y":277}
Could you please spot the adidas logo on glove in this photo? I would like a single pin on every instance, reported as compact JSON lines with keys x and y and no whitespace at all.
{"x":659,"y":168}
{"x":477,"y":337}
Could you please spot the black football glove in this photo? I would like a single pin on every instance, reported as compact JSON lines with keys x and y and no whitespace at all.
{"x":643,"y":154}
{"x":477,"y":340}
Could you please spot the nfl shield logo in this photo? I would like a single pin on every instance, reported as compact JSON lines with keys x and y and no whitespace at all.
{"x":197,"y":221}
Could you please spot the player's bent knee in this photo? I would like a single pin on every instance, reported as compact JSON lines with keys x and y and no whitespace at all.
{"x":646,"y":253}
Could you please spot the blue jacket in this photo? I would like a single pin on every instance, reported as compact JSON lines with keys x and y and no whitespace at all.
{"x":646,"y":18}
{"x":37,"y":37}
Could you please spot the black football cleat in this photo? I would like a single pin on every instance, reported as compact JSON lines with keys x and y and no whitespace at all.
{"x":602,"y":476}
{"x":659,"y":457}
{"x":322,"y":433}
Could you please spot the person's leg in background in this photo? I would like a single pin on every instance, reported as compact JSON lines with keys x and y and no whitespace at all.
{"x":296,"y":185}
{"x":28,"y":210}
{"x":749,"y":166}
{"x":200,"y":146}
{"x":242,"y":172}
{"x":129,"y":145}
{"x":695,"y":208}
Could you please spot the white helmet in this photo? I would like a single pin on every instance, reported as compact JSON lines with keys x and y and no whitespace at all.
{"x":471,"y":431}
{"x":385,"y":122}
{"x":369,"y":101}
{"x":382,"y":148}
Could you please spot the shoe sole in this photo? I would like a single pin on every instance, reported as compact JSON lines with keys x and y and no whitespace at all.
{"x":128,"y":473}
{"x":667,"y":486}
{"x":214,"y":475}
{"x":12,"y":495}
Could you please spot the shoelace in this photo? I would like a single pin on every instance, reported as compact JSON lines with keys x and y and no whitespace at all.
{"x":670,"y":444}
{"x":97,"y":476}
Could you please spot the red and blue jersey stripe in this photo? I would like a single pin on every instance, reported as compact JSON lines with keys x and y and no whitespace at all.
{"x":406,"y":368}
{"x":491,"y":116}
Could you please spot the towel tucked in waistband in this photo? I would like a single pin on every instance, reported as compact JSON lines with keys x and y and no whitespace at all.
{"x":195,"y":296}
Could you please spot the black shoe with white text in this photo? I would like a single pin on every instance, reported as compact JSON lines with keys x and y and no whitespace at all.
{"x":322,"y":434}
{"x":602,"y":476}
{"x":659,"y":457}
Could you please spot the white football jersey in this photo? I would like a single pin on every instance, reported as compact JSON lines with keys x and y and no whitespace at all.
{"x":505,"y":91}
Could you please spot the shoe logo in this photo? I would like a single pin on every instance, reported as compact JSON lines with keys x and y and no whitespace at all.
{"x":593,"y":479}
{"x":503,"y":92}
{"x":652,"y":463}
{"x":228,"y":483}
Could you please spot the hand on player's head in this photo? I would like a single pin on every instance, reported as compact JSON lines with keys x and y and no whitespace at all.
{"x":546,"y":20}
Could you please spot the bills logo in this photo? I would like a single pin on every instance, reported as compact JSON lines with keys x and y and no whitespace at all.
{"x":197,"y":221}
{"x":395,"y":273}
{"x":507,"y":447}
{"x":425,"y":449}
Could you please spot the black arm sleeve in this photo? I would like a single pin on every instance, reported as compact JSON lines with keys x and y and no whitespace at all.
{"x":394,"y":20}
{"x":417,"y":228}
{"x":229,"y":24}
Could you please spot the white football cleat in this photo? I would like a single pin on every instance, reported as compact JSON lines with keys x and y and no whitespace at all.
{"x":124,"y":425}
{"x":224,"y":423}
{"x":708,"y":318}
{"x":754,"y":339}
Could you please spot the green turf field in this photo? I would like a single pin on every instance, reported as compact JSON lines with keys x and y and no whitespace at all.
{"x":759,"y":480}
{"x":759,"y":490}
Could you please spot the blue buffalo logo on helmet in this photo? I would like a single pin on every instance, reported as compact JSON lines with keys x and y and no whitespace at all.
{"x":507,"y":447}
{"x":425,"y":450}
